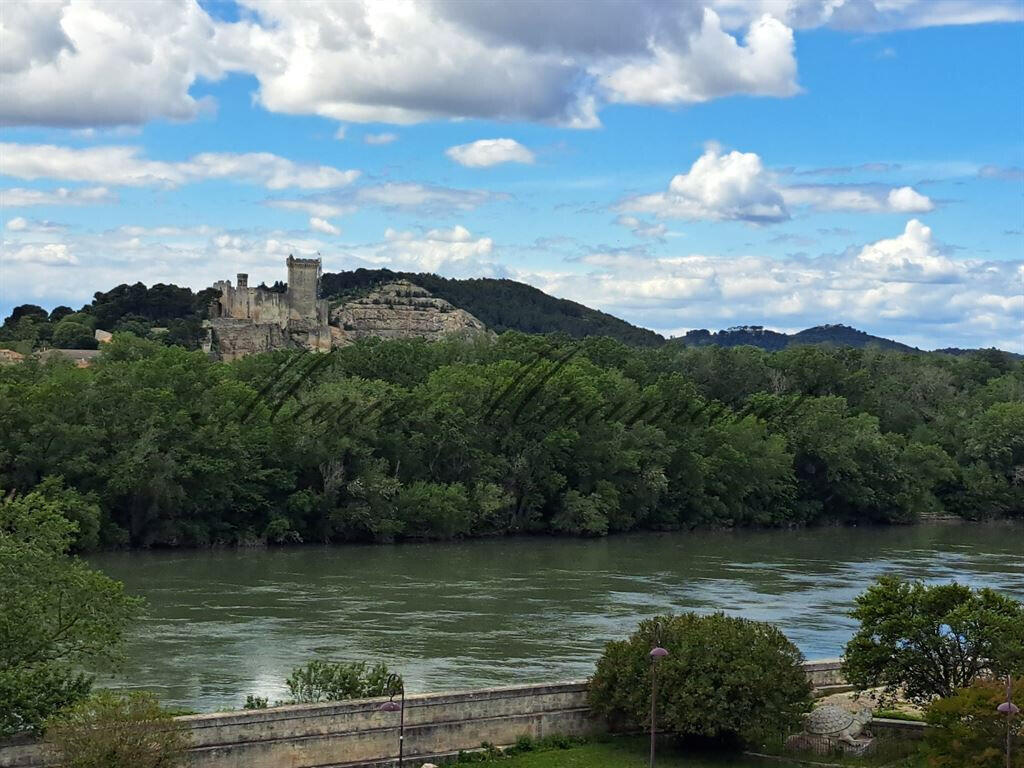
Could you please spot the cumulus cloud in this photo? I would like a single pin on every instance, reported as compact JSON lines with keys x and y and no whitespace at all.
{"x":710,"y":65}
{"x":124,"y":166}
{"x":733,"y":186}
{"x":100,"y":63}
{"x":737,"y":187}
{"x":908,"y":200}
{"x":912,"y":256}
{"x":322,"y":225}
{"x":365,"y":61}
{"x":487,"y":152}
{"x":377,"y":139}
{"x":17,"y":197}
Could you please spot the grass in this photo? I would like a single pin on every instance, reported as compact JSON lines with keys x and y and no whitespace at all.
{"x":619,"y":753}
{"x":632,"y":752}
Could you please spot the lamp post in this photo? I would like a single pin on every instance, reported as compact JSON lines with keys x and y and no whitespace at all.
{"x":1009,"y":709}
{"x":395,"y":685}
{"x":656,"y":653}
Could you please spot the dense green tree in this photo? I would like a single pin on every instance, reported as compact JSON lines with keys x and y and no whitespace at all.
{"x":71,"y":335}
{"x":929,"y":641}
{"x":58,"y":617}
{"x":724,"y":678}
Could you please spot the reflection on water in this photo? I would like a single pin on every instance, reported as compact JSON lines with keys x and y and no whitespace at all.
{"x":461,"y":615}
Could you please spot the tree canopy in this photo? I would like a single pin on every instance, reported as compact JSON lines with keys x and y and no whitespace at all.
{"x":383,"y":440}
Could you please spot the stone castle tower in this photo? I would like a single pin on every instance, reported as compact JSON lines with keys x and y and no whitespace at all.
{"x":245,"y":320}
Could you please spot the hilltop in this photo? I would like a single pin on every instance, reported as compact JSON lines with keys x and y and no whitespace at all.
{"x":499,"y":304}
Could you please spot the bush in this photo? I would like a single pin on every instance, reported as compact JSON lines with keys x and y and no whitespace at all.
{"x":337,"y":680}
{"x":929,"y":641}
{"x":968,"y":732}
{"x":118,"y":730}
{"x":725,"y":678}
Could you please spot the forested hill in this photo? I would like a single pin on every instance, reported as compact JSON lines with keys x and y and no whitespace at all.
{"x":174,"y":314}
{"x":758,"y":336}
{"x":502,"y":305}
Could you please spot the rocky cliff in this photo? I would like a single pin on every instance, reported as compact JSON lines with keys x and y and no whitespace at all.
{"x":398,"y":310}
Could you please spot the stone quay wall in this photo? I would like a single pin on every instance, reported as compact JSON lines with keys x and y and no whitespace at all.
{"x":353,"y":734}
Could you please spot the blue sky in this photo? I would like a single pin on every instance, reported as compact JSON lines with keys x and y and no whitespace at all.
{"x":784,"y":163}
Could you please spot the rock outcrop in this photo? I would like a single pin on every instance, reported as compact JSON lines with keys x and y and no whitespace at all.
{"x":400,"y":310}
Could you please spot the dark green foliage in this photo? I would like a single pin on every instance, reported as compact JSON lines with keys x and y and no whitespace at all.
{"x":385,"y":440}
{"x":725,"y":678}
{"x":338,"y":680}
{"x":118,"y":730}
{"x":968,"y":732}
{"x":57,"y":615}
{"x":929,"y":641}
{"x":68,"y":334}
{"x":132,"y":309}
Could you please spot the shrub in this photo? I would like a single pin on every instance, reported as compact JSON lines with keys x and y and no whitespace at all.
{"x":968,"y":732}
{"x":255,"y":702}
{"x":725,"y":678}
{"x":118,"y":730}
{"x":927,"y":641}
{"x":337,"y":680}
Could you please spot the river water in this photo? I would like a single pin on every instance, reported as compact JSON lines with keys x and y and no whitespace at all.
{"x":471,"y":614}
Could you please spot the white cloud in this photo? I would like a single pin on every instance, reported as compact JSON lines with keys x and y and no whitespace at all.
{"x":712,"y":64}
{"x":912,"y":256}
{"x":737,"y":187}
{"x":872,"y":15}
{"x":858,"y":198}
{"x":316,"y":208}
{"x":365,"y":61}
{"x":21,"y":224}
{"x":904,"y":287}
{"x":123,"y":166}
{"x":909,"y":200}
{"x":322,"y":225}
{"x":54,"y":254}
{"x":487,"y":152}
{"x":642,"y":228}
{"x":377,"y":139}
{"x":426,"y":196}
{"x":340,"y":133}
{"x":15,"y":197}
{"x":734,"y":186}
{"x":101,"y":63}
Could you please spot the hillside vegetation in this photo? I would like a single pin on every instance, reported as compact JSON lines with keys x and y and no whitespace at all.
{"x":173,"y":315}
{"x":159,"y":446}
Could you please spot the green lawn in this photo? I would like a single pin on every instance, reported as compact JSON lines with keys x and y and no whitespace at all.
{"x":620,"y":753}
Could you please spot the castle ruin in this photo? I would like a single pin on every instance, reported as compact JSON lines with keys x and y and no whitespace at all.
{"x":244,"y":320}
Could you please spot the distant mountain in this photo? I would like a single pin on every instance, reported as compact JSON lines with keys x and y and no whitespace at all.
{"x":758,"y":336}
{"x":501,"y":305}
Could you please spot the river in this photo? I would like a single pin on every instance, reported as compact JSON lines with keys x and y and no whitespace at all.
{"x":461,"y":615}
